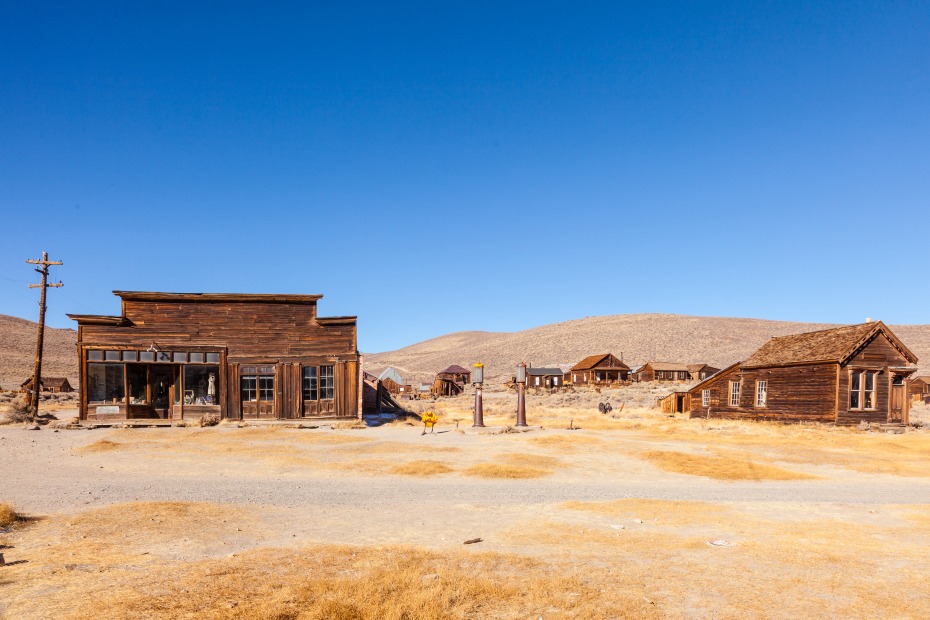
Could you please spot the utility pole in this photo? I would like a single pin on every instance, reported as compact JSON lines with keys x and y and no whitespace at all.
{"x":37,"y":377}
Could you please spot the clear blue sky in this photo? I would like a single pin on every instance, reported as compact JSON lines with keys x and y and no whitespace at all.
{"x":474,"y":166}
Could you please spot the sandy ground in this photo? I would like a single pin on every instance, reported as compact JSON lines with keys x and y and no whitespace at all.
{"x":288,"y":488}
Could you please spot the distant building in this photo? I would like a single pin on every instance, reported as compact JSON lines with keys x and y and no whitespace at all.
{"x":673,"y":371}
{"x":49,"y":384}
{"x":451,"y":381}
{"x":600,"y":369}
{"x":544,"y":377}
{"x":919,"y":388}
{"x":845,"y":375}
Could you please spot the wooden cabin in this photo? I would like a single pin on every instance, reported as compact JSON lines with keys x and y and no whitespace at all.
{"x":919,"y":389}
{"x":673,"y":372}
{"x":174,"y":356}
{"x":451,"y":381}
{"x":53,"y":385}
{"x":549,"y":378}
{"x":846,"y":375}
{"x":601,"y":369}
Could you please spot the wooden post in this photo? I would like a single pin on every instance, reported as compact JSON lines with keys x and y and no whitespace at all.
{"x":37,"y":376}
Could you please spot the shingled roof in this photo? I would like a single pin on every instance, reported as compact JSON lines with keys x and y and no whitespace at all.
{"x":668,"y":366}
{"x":455,"y":369}
{"x":829,"y":345}
{"x":593,"y":360}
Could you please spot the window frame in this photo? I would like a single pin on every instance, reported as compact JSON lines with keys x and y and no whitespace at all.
{"x":762,"y":393}
{"x":705,"y":398}
{"x":734,"y":395}
{"x":861,"y":398}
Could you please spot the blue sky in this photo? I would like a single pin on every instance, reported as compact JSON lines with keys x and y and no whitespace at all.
{"x":442,"y":168}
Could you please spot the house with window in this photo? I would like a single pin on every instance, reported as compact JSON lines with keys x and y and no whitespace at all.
{"x":54,"y":385}
{"x":844,"y":375}
{"x":550,"y":378}
{"x":673,"y":372}
{"x":180,"y":356}
{"x":600,"y":369}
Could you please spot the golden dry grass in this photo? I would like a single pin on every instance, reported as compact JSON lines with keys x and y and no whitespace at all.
{"x":675,"y":512}
{"x":8,"y":515}
{"x":421,"y":468}
{"x":720,"y":467}
{"x":497,"y":470}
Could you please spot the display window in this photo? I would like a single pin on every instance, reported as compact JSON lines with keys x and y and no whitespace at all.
{"x":201,"y":385}
{"x":105,"y":384}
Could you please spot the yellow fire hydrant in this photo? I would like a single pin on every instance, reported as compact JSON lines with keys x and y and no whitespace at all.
{"x":429,"y":421}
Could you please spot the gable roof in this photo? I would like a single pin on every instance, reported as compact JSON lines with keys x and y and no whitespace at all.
{"x":391,"y":373}
{"x":593,"y":360}
{"x":829,"y":345}
{"x":668,"y":366}
{"x":454,"y":369}
{"x":922,"y":378}
{"x":703,"y":384}
{"x":51,"y":382}
{"x":542,"y":372}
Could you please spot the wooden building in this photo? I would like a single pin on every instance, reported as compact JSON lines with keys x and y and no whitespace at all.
{"x":49,"y":384}
{"x":550,"y":378}
{"x":919,"y":389}
{"x":673,"y":372}
{"x":451,"y":381}
{"x":601,"y":369}
{"x":844,"y":375}
{"x":173,"y":356}
{"x":676,"y":402}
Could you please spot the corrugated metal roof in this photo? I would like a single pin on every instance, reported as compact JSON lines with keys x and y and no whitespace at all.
{"x":542,"y":372}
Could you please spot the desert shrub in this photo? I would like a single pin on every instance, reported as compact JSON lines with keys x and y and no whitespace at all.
{"x":8,"y":516}
{"x":209,"y":420}
{"x":919,"y":415}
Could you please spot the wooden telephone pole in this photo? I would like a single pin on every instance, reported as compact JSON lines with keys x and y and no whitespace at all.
{"x":37,"y":377}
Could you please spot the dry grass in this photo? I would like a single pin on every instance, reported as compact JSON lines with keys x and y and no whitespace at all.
{"x":421,"y":468}
{"x":9,"y":516}
{"x":496,"y":470}
{"x":720,"y":467}
{"x":667,"y":512}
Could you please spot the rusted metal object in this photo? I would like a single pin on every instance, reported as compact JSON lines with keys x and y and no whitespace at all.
{"x":479,"y":404}
{"x":521,"y":394}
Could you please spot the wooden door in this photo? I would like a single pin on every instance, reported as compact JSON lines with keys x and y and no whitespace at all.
{"x":896,"y":404}
{"x":257,"y":394}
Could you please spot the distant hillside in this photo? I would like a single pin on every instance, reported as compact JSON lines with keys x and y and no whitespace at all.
{"x":18,"y":352}
{"x":638,"y":337}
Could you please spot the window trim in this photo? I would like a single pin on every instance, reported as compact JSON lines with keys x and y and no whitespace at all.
{"x":705,"y":398}
{"x":861,"y":393}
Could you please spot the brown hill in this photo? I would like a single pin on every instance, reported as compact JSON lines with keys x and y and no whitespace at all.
{"x":18,"y":352}
{"x":638,"y":337}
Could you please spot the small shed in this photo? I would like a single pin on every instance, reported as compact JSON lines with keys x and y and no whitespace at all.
{"x":919,"y":388}
{"x":676,"y":402}
{"x":600,"y":369}
{"x":48,"y":384}
{"x":845,"y":375}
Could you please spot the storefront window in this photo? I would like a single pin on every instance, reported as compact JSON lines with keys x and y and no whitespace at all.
{"x":138,"y":380}
{"x":326,"y":382}
{"x":201,"y":385}
{"x":105,"y":383}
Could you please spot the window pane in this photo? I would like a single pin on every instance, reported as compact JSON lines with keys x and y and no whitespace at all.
{"x":163,"y":356}
{"x":112,"y":356}
{"x":138,"y":381}
{"x":105,"y":383}
{"x":213,"y":358}
{"x":196,"y":358}
{"x":854,"y":382}
{"x":266,"y":388}
{"x":310,"y":383}
{"x":247,"y":385}
{"x":326,"y":382}
{"x":146,"y":356}
{"x":201,"y":385}
{"x":95,"y":356}
{"x":130,"y":356}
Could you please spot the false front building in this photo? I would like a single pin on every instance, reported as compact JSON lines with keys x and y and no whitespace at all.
{"x":173,"y":356}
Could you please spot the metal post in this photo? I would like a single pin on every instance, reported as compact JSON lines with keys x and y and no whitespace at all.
{"x":479,"y":408}
{"x":521,"y":394}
